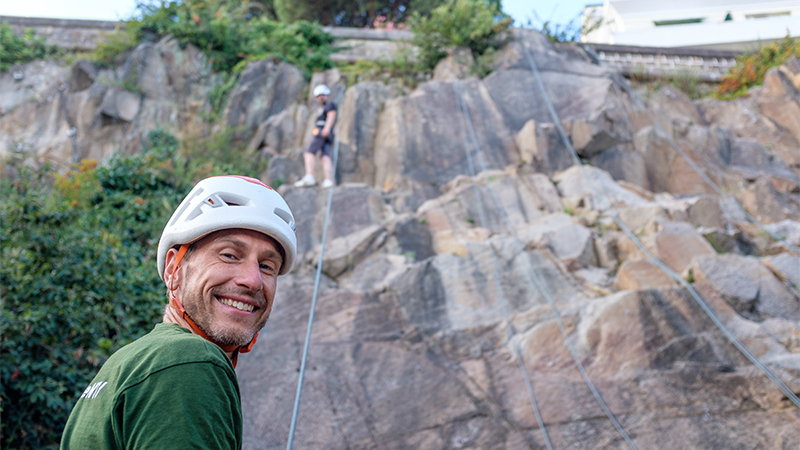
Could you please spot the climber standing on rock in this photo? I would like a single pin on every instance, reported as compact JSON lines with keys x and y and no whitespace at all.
{"x":322,"y":142}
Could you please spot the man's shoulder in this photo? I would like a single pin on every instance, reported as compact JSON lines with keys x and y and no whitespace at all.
{"x":329,"y":106}
{"x":168,"y":345}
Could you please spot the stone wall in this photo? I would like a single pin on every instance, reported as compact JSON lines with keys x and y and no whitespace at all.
{"x":655,"y":62}
{"x":370,"y":44}
{"x":65,"y":33}
{"x":353,"y":43}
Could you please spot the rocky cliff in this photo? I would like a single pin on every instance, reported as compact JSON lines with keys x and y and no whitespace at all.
{"x":410,"y":347}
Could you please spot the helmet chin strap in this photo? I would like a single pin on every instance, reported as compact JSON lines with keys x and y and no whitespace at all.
{"x":175,"y":303}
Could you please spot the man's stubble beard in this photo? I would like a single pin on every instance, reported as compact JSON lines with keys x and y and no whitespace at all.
{"x":203,"y":316}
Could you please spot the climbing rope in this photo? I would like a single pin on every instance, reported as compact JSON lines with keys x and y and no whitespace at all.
{"x":638,"y":102}
{"x":316,"y":280}
{"x":538,"y":285}
{"x":496,"y":272}
{"x":767,"y":371}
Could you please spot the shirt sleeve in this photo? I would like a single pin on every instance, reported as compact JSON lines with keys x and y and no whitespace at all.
{"x":330,"y":106}
{"x":187,"y":406}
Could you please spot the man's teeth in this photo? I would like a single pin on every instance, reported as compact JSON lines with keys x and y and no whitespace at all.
{"x":238,"y":305}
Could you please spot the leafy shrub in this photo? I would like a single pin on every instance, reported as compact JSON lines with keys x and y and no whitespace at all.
{"x":750,"y":69}
{"x":402,"y":68}
{"x":78,"y":278}
{"x":227,"y":32}
{"x":108,"y":50}
{"x":347,"y":13}
{"x":230,"y":32}
{"x":21,"y":49}
{"x":565,"y":32}
{"x":470,"y":23}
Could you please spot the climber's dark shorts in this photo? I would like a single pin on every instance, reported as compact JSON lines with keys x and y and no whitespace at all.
{"x":318,"y":144}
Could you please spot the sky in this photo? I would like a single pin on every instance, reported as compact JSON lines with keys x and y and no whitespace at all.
{"x":558,"y":11}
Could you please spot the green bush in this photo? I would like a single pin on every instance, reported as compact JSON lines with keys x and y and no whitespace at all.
{"x":230,"y":32}
{"x":226,"y":33}
{"x":108,"y":50}
{"x":78,"y":278}
{"x":469,"y":23}
{"x":402,"y":68}
{"x":347,"y":13}
{"x":21,"y":49}
{"x":751,"y":68}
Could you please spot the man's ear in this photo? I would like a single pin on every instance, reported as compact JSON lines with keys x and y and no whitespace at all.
{"x":171,"y":280}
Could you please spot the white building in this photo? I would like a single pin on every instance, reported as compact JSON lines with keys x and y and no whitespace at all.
{"x":739,"y":25}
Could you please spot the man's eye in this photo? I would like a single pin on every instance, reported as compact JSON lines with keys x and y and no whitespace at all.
{"x":267,"y":267}
{"x":228,"y":256}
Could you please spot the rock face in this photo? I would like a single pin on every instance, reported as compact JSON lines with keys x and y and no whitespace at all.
{"x":410,"y":347}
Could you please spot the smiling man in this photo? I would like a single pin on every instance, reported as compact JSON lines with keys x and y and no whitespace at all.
{"x":220,"y":256}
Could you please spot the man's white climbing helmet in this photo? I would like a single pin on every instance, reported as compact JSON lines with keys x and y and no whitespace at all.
{"x":321,"y":90}
{"x":230,"y":201}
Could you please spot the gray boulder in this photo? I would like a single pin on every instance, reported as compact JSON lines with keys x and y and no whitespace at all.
{"x":359,"y":114}
{"x":280,"y":133}
{"x":596,"y":187}
{"x":750,"y":288}
{"x":570,"y":242}
{"x":120,"y":104}
{"x":418,"y":139}
{"x":265,"y":88}
{"x":767,"y":204}
{"x":785,"y":267}
{"x":541,"y":146}
{"x":353,"y":208}
{"x":457,"y":65}
{"x":83,"y":74}
{"x":343,"y":253}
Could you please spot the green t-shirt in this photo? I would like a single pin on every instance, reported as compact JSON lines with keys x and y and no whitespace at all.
{"x":171,"y":389}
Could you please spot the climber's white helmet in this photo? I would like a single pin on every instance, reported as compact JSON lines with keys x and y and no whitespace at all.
{"x":230,"y":201}
{"x":321,"y":90}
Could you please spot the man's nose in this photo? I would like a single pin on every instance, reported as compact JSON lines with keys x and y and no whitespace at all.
{"x":250,"y":276}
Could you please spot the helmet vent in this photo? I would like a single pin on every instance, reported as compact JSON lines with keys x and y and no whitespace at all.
{"x":215,"y":201}
{"x":286,"y":216}
{"x":184,"y":205}
{"x":232,"y":199}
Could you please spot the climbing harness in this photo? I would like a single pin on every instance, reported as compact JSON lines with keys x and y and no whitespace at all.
{"x":767,"y":371}
{"x":316,"y":284}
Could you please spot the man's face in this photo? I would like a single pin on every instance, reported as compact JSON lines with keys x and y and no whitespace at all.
{"x":322,"y":99}
{"x":228,"y":284}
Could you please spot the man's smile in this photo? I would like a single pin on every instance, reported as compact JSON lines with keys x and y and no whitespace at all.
{"x":241,"y":306}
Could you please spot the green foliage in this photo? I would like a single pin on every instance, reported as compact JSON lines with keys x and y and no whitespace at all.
{"x":218,"y":97}
{"x":21,"y":49}
{"x":565,"y":32}
{"x":78,"y":278}
{"x":750,"y":69}
{"x":108,"y":50}
{"x":469,"y":23}
{"x":301,"y":43}
{"x":402,"y":68}
{"x":484,"y":63}
{"x":558,"y":32}
{"x":216,"y":154}
{"x":348,"y":13}
{"x":230,"y":32}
